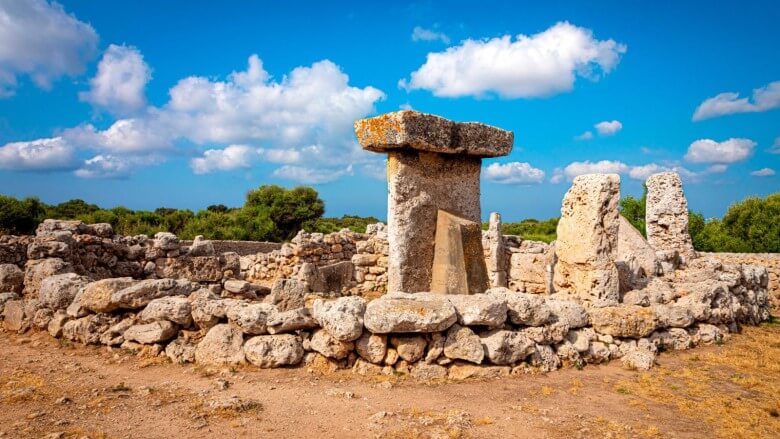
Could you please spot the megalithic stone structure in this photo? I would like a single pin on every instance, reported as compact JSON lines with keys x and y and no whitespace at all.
{"x":666,"y":216}
{"x":458,"y":259}
{"x":587,"y":241}
{"x":495,"y":251}
{"x":433,"y":163}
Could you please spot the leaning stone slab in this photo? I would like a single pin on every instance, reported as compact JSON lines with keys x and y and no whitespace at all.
{"x":458,"y":258}
{"x":274,"y":350}
{"x":636,"y":259}
{"x":403,"y":312}
{"x":479,"y":309}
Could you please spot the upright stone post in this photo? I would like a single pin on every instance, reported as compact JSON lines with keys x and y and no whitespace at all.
{"x":497,"y":261}
{"x":433,"y":164}
{"x":587,"y":242}
{"x":666,"y":217}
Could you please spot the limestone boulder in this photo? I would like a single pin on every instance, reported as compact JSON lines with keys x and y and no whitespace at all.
{"x":274,"y":350}
{"x":634,"y":256}
{"x":676,"y":339}
{"x":479,"y":309}
{"x":673,"y":316}
{"x":6,"y":297}
{"x":223,"y":345}
{"x":329,"y":346}
{"x":503,"y":347}
{"x":13,"y":316}
{"x":571,"y":313}
{"x":461,"y":371}
{"x":115,"y":334}
{"x":638,"y":359}
{"x":624,"y":321}
{"x":166,"y":241}
{"x":97,"y":296}
{"x":251,"y":318}
{"x":409,"y":347}
{"x":192,"y":268}
{"x":141,"y":293}
{"x":403,"y":312}
{"x":523,"y":309}
{"x":289,"y":321}
{"x":181,"y":350}
{"x":288,"y":294}
{"x":11,"y":278}
{"x":463,"y":344}
{"x":201,"y":247}
{"x":35,"y":271}
{"x":666,"y":215}
{"x":342,"y":317}
{"x":371,"y":347}
{"x":150,"y":333}
{"x":176,"y":309}
{"x":58,"y":320}
{"x":428,"y":372}
{"x":544,"y":358}
{"x":58,"y":291}
{"x":87,"y":330}
{"x":335,"y":277}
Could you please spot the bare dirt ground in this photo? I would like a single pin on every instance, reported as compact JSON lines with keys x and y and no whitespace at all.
{"x":53,"y":389}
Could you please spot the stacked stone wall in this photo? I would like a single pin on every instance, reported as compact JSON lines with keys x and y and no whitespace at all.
{"x":771,"y":261}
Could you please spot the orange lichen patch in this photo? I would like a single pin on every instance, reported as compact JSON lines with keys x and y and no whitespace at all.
{"x":377,"y":131}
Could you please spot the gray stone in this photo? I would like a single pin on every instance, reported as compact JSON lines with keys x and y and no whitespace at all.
{"x":6,"y":297}
{"x":36,"y":271}
{"x":427,"y":372}
{"x":505,"y":347}
{"x":587,"y":240}
{"x":336,"y":277}
{"x":97,"y":296}
{"x":150,"y":333}
{"x":673,"y":316}
{"x":435,"y":347}
{"x":181,"y":351}
{"x":638,"y":359}
{"x":544,"y":358}
{"x":274,"y":350}
{"x":463,"y":344}
{"x":479,"y":309}
{"x":624,"y":321}
{"x":402,"y":312}
{"x":13,"y":315}
{"x":289,"y":321}
{"x":58,"y":291}
{"x":201,"y":247}
{"x":566,"y":311}
{"x":222,"y":346}
{"x":458,"y":258}
{"x":371,"y":347}
{"x":409,"y":347}
{"x":166,"y":241}
{"x":329,"y":346}
{"x":523,"y":308}
{"x":115,"y":335}
{"x":175,"y":309}
{"x":288,"y":294}
{"x":497,"y":261}
{"x":342,"y":317}
{"x":143,"y":292}
{"x":56,"y":323}
{"x":11,"y":278}
{"x":87,"y":330}
{"x":666,"y":215}
{"x":251,"y":318}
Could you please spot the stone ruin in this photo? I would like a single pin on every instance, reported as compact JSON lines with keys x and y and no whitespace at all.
{"x":429,"y":295}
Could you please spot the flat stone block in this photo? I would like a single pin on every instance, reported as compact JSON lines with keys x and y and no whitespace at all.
{"x":458,"y":259}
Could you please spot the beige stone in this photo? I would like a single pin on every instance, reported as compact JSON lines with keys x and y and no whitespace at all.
{"x":458,"y":258}
{"x":636,"y":258}
{"x":586,"y":246}
{"x":666,"y":215}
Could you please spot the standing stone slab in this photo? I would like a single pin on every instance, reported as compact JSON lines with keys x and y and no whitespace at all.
{"x":458,"y":258}
{"x":433,"y":164}
{"x":666,"y":215}
{"x":587,"y":241}
{"x":497,"y":260}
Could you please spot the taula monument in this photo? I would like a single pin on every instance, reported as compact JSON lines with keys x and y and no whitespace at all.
{"x":428,"y":295}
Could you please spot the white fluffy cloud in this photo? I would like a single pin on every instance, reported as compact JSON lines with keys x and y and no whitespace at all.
{"x":527,"y":66}
{"x":423,"y":34}
{"x":587,"y":167}
{"x":38,"y":155}
{"x":639,"y":172}
{"x":764,"y":172}
{"x":764,"y":98}
{"x":587,"y":135}
{"x":309,"y":175}
{"x":231,"y":158}
{"x":775,"y":148}
{"x":120,"y":83}
{"x":39,"y":39}
{"x":110,"y":166}
{"x":728,"y":151}
{"x":514,"y":173}
{"x":608,"y":128}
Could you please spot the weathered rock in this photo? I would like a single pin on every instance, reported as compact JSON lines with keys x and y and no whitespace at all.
{"x":342,"y":317}
{"x":427,"y":372}
{"x":6,"y":297}
{"x":636,"y":260}
{"x":566,"y":311}
{"x":624,"y":321}
{"x":97,"y":296}
{"x":13,"y":315}
{"x":523,"y":309}
{"x":181,"y":351}
{"x":11,"y":278}
{"x":192,"y":268}
{"x":222,"y":346}
{"x":638,"y":359}
{"x":587,"y":240}
{"x":251,"y":318}
{"x":544,"y":359}
{"x":597,"y":353}
{"x":435,"y":347}
{"x":166,"y":241}
{"x":336,"y":277}
{"x":56,"y":323}
{"x":547,"y":334}
{"x":657,"y":291}
{"x":201,"y":247}
{"x":36,"y":271}
{"x":365,"y":368}
{"x":505,"y":347}
{"x":673,"y":316}
{"x":274,"y":350}
{"x":409,"y":347}
{"x":88,"y":329}
{"x":58,"y":291}
{"x":463,"y":344}
{"x":674,"y":338}
{"x":150,"y":333}
{"x":310,"y":274}
{"x":329,"y":346}
{"x":42,"y":317}
{"x":371,"y":347}
{"x":289,"y":321}
{"x":401,"y":312}
{"x":237,"y":286}
{"x":103,"y":230}
{"x":115,"y":335}
{"x":497,"y":261}
{"x":458,"y":258}
{"x":143,"y":292}
{"x":705,"y":334}
{"x":666,"y":215}
{"x":175,"y":309}
{"x":288,"y":294}
{"x":462,"y":371}
{"x":479,"y":309}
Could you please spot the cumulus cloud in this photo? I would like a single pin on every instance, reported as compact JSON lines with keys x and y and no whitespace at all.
{"x":231,"y":158}
{"x":514,"y":173}
{"x":587,"y":167}
{"x":636,"y":172}
{"x":309,"y":175}
{"x":728,"y":151}
{"x":775,"y":148}
{"x":539,"y":65}
{"x":38,"y":155}
{"x":422,"y":34}
{"x":120,"y":83}
{"x":608,"y":128}
{"x":305,"y":118}
{"x":764,"y":172}
{"x":40,"y":40}
{"x":110,"y":166}
{"x":375,"y":170}
{"x":763,"y":99}
{"x":587,"y":135}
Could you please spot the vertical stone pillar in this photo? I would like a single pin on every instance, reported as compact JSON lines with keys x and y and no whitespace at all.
{"x":666,"y":216}
{"x":497,"y":261}
{"x":587,"y":242}
{"x":433,"y":164}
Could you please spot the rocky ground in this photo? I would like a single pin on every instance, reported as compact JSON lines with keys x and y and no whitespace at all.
{"x":52,"y":388}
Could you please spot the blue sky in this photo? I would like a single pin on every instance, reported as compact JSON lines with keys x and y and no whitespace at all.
{"x":185,"y":104}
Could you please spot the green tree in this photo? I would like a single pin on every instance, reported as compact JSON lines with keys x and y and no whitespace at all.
{"x":756,"y":222}
{"x":288,"y":209}
{"x":633,"y":209}
{"x":20,"y":217}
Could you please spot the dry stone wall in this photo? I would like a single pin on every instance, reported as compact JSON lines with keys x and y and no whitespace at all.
{"x":771,"y":261}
